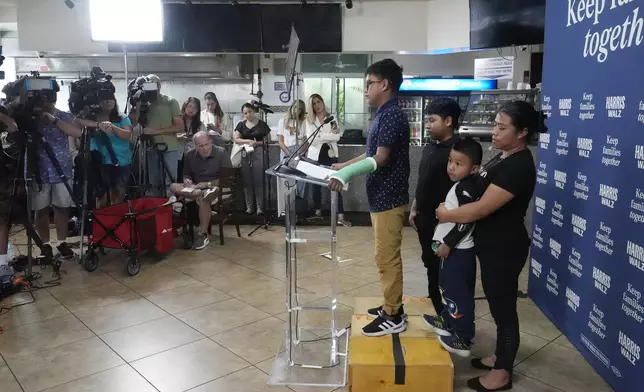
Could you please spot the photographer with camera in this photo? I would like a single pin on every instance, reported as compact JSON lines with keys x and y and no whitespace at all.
{"x":163,"y":123}
{"x":55,"y":126}
{"x":114,"y":130}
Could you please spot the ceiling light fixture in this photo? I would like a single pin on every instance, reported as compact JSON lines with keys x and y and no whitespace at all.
{"x":348,"y":4}
{"x":70,"y":4}
{"x":234,"y":3}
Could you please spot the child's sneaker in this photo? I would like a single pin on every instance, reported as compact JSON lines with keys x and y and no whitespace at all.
{"x":385,"y":325}
{"x":438,"y":324}
{"x":375,"y":312}
{"x":456,"y":345}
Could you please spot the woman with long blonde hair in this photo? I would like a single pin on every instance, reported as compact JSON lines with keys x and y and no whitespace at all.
{"x":324,"y":149}
{"x":291,"y":132}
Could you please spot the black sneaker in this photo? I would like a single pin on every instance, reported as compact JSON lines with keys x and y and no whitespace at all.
{"x":456,"y":345}
{"x":385,"y":325}
{"x":375,"y":312}
{"x":47,"y":251}
{"x":201,"y":241}
{"x":438,"y":324}
{"x":65,"y":251}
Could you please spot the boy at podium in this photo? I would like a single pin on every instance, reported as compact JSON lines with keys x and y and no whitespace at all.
{"x":386,"y":163}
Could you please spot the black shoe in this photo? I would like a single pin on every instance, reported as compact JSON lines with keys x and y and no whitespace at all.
{"x":456,"y":345}
{"x":478,"y":364}
{"x":385,"y":325}
{"x":375,"y":312}
{"x":438,"y":324}
{"x":47,"y":251}
{"x":65,"y":251}
{"x":475,"y":384}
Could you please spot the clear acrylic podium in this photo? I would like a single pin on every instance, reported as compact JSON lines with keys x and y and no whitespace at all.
{"x":310,"y":355}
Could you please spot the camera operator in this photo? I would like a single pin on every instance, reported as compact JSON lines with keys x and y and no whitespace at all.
{"x":116,"y":131}
{"x":55,"y":126}
{"x":163,"y":124}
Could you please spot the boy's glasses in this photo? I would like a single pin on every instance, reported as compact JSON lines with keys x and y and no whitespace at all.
{"x":370,"y":82}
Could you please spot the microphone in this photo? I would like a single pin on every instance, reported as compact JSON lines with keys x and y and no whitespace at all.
{"x":308,"y":141}
{"x":262,"y":106}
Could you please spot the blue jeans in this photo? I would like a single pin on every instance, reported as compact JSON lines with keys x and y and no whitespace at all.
{"x":171,"y":159}
{"x":301,"y":186}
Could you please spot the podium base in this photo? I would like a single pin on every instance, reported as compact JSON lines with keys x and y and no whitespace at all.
{"x":312,"y":362}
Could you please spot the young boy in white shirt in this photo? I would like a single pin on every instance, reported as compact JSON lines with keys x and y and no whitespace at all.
{"x":454,"y":244}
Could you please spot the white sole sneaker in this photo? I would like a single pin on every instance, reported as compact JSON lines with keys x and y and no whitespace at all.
{"x":439,"y":331}
{"x":205,"y":243}
{"x":400,"y":328}
{"x":460,"y":353}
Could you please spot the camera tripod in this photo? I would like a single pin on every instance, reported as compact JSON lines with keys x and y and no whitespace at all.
{"x":142,"y":147}
{"x":28,"y":161}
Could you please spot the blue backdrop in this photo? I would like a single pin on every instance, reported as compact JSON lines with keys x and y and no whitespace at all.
{"x":587,"y":259}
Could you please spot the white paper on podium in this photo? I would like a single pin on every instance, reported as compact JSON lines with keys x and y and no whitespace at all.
{"x":318,"y":172}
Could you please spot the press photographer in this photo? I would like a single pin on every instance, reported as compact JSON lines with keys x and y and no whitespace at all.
{"x":159,"y":116}
{"x":42,"y":126}
{"x":109,"y":133}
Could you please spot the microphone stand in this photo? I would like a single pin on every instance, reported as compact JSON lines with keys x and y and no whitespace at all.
{"x":266,"y":190}
{"x":285,"y":168}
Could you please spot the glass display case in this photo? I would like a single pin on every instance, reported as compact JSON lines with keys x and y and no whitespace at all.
{"x":413,"y":109}
{"x":481,"y":111}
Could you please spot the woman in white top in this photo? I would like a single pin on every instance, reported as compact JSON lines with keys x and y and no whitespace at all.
{"x":216,"y":121}
{"x":323,"y":149}
{"x":290,"y":130}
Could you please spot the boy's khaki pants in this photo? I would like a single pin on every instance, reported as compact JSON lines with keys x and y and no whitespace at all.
{"x":387,"y":228}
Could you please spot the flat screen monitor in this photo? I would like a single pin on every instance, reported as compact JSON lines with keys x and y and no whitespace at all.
{"x":502,"y":23}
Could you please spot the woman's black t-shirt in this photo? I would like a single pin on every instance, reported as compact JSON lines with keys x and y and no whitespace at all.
{"x":257,"y":133}
{"x":516,"y":174}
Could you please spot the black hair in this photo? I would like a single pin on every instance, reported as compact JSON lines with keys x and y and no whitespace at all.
{"x":471,"y":148}
{"x":525,"y":116}
{"x":210,"y":96}
{"x":445,"y":107}
{"x":250,"y":106}
{"x":115,"y":115}
{"x":389,"y":70}
{"x":195,"y":123}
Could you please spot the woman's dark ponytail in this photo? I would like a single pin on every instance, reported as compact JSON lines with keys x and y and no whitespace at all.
{"x":525,"y":116}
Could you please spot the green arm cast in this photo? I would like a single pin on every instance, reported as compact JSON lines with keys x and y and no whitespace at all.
{"x":365,"y":166}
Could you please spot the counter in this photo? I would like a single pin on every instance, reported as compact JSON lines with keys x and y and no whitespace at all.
{"x":355,"y":199}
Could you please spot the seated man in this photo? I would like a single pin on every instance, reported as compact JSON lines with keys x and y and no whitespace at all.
{"x":200,"y":172}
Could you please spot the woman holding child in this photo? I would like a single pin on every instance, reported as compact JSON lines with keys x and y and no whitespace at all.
{"x":500,"y":235}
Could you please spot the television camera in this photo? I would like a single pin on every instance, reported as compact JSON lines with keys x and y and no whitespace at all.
{"x":29,"y":93}
{"x":86,"y":94}
{"x":141,"y":92}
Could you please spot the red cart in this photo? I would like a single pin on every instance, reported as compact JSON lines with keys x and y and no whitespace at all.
{"x":135,"y":226}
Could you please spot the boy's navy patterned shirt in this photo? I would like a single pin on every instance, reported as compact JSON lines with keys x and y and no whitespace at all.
{"x":388,"y":186}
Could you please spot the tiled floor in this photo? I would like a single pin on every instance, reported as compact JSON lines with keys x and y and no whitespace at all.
{"x":212,"y":321}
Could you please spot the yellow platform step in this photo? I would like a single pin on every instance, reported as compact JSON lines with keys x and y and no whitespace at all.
{"x":413,"y":306}
{"x":412,"y":361}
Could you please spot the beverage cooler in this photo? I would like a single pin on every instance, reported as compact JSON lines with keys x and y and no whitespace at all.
{"x":416,"y":94}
